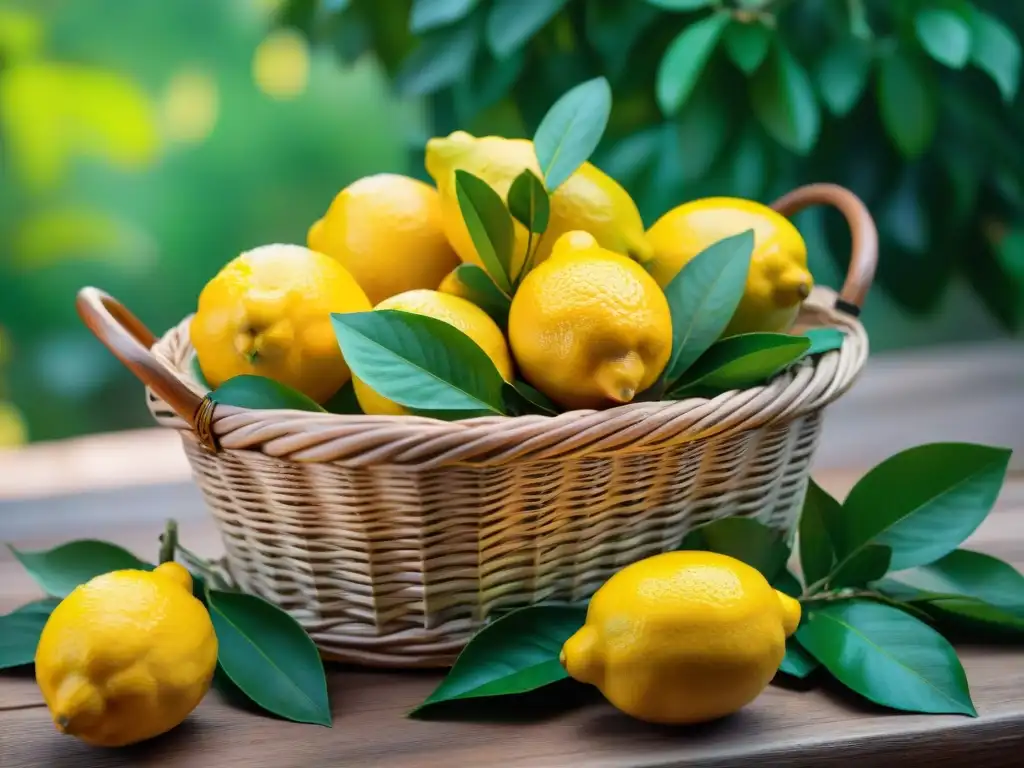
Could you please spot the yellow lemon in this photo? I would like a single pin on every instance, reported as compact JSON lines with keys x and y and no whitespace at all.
{"x":126,"y":656}
{"x":682,"y":637}
{"x":387,"y":230}
{"x":268,"y":313}
{"x":455,"y":311}
{"x":589,"y":200}
{"x":778,"y":280}
{"x":589,"y":328}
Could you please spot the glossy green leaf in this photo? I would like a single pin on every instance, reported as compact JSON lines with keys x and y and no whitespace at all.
{"x":522,"y":399}
{"x":419,"y":362}
{"x":441,"y":59}
{"x":261,"y":393}
{"x":797,"y":662}
{"x":996,"y":50}
{"x":20,"y":631}
{"x":745,"y":539}
{"x":970,"y":574}
{"x":428,"y":14}
{"x":824,"y":340}
{"x":945,"y":34}
{"x":954,"y":611}
{"x":528,"y":202}
{"x":344,"y":401}
{"x":484,"y":293}
{"x":514,"y":654}
{"x":784,"y":102}
{"x":908,"y":103}
{"x":743,"y":361}
{"x":59,"y":570}
{"x":703,"y":297}
{"x":684,"y":61}
{"x":571,"y":130}
{"x":748,"y":44}
{"x":923,"y":502}
{"x":869,"y":564}
{"x":887,"y":656}
{"x":512,"y":23}
{"x":682,"y":5}
{"x":269,"y":657}
{"x":820,"y":528}
{"x":489,"y":224}
{"x":842,"y":75}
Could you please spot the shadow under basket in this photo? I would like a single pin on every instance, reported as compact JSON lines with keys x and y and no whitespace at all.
{"x":392,"y":539}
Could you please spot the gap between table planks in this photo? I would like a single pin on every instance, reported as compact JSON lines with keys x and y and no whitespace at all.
{"x":820,"y":728}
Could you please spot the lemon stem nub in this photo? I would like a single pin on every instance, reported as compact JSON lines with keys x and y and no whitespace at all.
{"x":619,"y":379}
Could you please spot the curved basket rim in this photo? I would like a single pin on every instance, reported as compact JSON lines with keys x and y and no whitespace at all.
{"x":299,"y":434}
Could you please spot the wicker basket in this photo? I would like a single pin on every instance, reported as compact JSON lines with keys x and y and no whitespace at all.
{"x":392,"y":539}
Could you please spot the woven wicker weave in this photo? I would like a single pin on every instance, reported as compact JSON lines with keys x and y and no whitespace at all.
{"x":391,"y":539}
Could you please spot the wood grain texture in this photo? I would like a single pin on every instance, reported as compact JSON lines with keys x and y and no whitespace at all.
{"x":565,"y":725}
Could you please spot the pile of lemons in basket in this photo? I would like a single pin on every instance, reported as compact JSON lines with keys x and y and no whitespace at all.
{"x":588,"y":323}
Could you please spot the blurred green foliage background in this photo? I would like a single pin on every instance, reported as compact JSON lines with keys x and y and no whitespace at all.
{"x":144,"y":144}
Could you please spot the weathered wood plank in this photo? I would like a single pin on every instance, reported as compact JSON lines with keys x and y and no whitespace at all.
{"x":820,"y":728}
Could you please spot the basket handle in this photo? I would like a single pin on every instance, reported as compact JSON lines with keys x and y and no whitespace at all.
{"x":130,"y":341}
{"x":864,"y":256}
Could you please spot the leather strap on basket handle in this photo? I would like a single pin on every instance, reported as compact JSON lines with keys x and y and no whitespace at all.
{"x":864,"y":233}
{"x":130,"y":341}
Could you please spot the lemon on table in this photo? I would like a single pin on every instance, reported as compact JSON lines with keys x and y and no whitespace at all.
{"x":387,"y":231}
{"x":268,"y":313}
{"x":682,"y":637}
{"x":455,"y":311}
{"x":126,"y":656}
{"x":778,"y":280}
{"x":589,"y":200}
{"x":589,"y":328}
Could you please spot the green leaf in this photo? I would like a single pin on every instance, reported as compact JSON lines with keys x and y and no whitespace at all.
{"x":908,"y":104}
{"x":428,"y":14}
{"x":489,"y":225}
{"x":528,"y":202}
{"x":512,"y":23}
{"x":19,"y":633}
{"x":784,"y":102}
{"x":703,"y":297}
{"x":923,"y":502}
{"x":58,"y":571}
{"x":484,"y":293}
{"x":842,"y":75}
{"x":748,"y":44}
{"x":682,"y":5}
{"x":868,"y":564}
{"x":955,"y":611}
{"x":419,"y":362}
{"x":824,"y":340}
{"x":820,"y":528}
{"x":521,"y":399}
{"x":197,"y":372}
{"x":797,"y":662}
{"x":442,"y":58}
{"x":887,"y":656}
{"x":261,"y":393}
{"x":685,"y":59}
{"x":970,"y":574}
{"x":514,"y":654}
{"x":788,"y":583}
{"x":745,"y":539}
{"x":344,"y":401}
{"x":571,"y":130}
{"x":996,"y":50}
{"x":945,"y":34}
{"x":266,"y":653}
{"x":743,"y":361}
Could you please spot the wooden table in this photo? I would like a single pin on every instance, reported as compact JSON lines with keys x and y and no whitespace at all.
{"x":820,"y":728}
